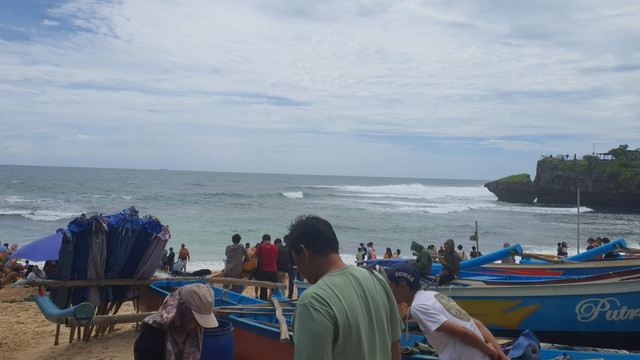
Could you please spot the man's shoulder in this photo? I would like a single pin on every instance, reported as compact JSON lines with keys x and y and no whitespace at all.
{"x":271,"y":247}
{"x":326,"y":285}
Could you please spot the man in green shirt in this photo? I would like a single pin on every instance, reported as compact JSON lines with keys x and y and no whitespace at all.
{"x":360,"y":256}
{"x":349,"y":312}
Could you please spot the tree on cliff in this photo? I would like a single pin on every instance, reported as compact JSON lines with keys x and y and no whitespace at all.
{"x":620,"y":152}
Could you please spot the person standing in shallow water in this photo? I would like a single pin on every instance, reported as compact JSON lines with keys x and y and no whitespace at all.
{"x":171,"y":260}
{"x":349,"y":312}
{"x":388,"y":254}
{"x":184,"y":257}
{"x":371,"y":251}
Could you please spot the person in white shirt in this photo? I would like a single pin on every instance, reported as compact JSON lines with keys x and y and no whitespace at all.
{"x":450,"y":330}
{"x":35,"y":273}
{"x":178,"y":267}
{"x":462,"y":253}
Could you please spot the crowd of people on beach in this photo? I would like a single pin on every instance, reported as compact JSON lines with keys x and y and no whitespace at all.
{"x":19,"y":273}
{"x":333,"y":318}
{"x":592,"y":243}
{"x":264,"y":262}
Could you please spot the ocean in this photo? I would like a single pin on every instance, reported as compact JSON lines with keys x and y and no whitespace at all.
{"x":204,"y":209}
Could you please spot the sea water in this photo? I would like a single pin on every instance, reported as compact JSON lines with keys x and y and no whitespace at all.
{"x":204,"y":209}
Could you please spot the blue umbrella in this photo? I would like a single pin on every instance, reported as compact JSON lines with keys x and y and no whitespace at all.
{"x":43,"y":249}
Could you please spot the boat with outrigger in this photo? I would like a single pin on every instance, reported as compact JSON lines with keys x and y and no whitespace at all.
{"x":598,"y":305}
{"x":537,"y":267}
{"x":262,"y":329}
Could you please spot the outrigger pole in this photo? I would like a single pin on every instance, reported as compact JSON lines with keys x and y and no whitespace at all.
{"x":578,"y":247}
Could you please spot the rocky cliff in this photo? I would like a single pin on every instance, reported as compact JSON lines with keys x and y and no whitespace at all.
{"x":603,"y":184}
{"x":513,"y":189}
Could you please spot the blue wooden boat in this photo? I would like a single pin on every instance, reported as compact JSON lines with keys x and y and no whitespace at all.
{"x":258,"y":336}
{"x":601,"y":310}
{"x":580,"y":265}
{"x":255,"y":336}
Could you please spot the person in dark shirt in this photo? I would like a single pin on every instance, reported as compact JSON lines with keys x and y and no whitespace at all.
{"x":610,"y":254}
{"x":450,"y":263}
{"x":283,"y":262}
{"x":171,"y":260}
{"x":294,"y":274}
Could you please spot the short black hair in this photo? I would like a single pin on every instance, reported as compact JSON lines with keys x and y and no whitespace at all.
{"x":277,"y":241}
{"x":315,"y":233}
{"x":236,"y":238}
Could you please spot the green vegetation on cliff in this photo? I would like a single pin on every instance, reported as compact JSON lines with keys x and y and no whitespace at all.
{"x":516,"y":178}
{"x":610,"y":181}
{"x":622,"y":168}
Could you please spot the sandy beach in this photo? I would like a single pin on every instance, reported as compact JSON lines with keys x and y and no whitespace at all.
{"x":26,"y":334}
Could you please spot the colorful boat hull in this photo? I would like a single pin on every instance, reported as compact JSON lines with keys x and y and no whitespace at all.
{"x":601,"y":311}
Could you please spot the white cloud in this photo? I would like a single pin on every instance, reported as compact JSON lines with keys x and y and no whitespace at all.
{"x":47,"y":22}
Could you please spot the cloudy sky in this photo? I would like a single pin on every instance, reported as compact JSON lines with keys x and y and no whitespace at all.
{"x":429,"y":89}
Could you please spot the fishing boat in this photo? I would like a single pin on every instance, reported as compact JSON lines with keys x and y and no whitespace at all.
{"x":601,"y":310}
{"x":579,"y":265}
{"x":258,"y":332}
{"x":557,"y":270}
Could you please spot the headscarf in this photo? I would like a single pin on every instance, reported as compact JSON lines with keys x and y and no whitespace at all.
{"x":170,"y":316}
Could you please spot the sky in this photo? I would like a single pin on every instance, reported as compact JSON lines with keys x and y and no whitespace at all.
{"x":421,"y":89}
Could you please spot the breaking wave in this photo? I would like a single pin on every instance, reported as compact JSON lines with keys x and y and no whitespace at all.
{"x":293,"y":194}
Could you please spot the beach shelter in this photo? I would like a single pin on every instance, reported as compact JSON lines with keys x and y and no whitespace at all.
{"x":43,"y":249}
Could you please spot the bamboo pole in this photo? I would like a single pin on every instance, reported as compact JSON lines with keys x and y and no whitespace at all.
{"x":71,"y":333}
{"x":224,"y":312}
{"x":544,"y":258}
{"x":106,"y":320}
{"x":627,"y":250}
{"x":101,"y":310}
{"x":55,"y":342}
{"x":129,"y":282}
{"x":115,"y":311}
{"x":284,"y":330}
{"x":256,"y":306}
